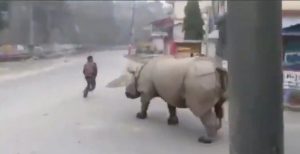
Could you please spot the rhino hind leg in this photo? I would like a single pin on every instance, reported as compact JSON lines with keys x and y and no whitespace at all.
{"x":173,"y":119}
{"x":204,"y":139}
{"x":210,"y":123}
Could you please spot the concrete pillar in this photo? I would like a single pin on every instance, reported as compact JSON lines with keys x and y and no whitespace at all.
{"x":254,"y":46}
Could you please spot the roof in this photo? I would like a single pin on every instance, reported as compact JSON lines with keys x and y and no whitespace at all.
{"x":188,"y":41}
{"x":177,"y":24}
{"x":163,"y":23}
{"x":293,"y":30}
{"x":291,"y":33}
{"x":159,"y":34}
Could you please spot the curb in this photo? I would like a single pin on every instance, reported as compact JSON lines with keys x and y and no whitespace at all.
{"x":293,"y":108}
{"x":19,"y":57}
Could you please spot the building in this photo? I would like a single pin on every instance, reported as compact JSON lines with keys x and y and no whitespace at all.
{"x":289,"y":9}
{"x":291,"y":44}
{"x":291,"y":36}
{"x":291,"y":53}
{"x":220,"y":6}
{"x":161,"y":33}
{"x":290,"y":16}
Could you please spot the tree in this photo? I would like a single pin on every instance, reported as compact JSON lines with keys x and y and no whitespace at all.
{"x":3,"y":14}
{"x":193,"y":22}
{"x":50,"y":16}
{"x":95,"y":21}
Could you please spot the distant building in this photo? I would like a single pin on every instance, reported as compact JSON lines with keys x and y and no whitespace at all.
{"x":161,"y":33}
{"x":290,"y":17}
{"x":291,"y":56}
{"x":291,"y":36}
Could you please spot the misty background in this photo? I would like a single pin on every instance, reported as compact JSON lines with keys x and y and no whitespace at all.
{"x":80,"y":22}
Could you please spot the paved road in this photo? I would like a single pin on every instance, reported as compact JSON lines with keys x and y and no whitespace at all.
{"x":43,"y":112}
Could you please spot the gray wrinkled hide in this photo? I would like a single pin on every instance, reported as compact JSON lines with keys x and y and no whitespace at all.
{"x":187,"y":82}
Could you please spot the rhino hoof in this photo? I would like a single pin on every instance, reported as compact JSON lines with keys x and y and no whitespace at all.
{"x":173,"y":121}
{"x":205,"y":140}
{"x":141,"y":115}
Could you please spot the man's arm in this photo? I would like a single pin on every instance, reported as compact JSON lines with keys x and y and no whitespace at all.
{"x":83,"y":71}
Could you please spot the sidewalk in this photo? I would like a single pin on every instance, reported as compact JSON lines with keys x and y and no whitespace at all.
{"x":19,"y":69}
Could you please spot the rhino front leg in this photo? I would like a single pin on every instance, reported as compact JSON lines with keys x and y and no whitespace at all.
{"x":173,"y":119}
{"x":211,"y":125}
{"x":144,"y":107}
{"x":143,"y":113}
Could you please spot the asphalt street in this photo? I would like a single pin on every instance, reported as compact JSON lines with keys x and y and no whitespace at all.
{"x":42,"y":111}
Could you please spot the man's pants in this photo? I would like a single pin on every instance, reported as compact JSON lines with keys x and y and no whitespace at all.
{"x":91,"y":83}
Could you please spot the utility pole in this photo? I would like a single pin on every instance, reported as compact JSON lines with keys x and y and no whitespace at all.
{"x":255,"y":112}
{"x":31,"y":27}
{"x":132,"y":23}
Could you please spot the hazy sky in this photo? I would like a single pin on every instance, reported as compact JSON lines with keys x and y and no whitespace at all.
{"x":163,"y":2}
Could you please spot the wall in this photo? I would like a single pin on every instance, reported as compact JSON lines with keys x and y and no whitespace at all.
{"x":178,"y":34}
{"x":290,"y":5}
{"x":158,"y":43}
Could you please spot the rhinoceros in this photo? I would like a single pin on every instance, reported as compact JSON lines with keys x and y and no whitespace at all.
{"x":194,"y":83}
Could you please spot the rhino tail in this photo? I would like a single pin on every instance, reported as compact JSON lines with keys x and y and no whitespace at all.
{"x":218,"y":108}
{"x":223,"y":78}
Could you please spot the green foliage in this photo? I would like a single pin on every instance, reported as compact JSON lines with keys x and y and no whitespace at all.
{"x":193,"y":22}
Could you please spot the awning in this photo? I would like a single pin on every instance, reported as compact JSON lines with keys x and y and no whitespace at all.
{"x":293,"y":30}
{"x":290,"y":33}
{"x":163,"y":23}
